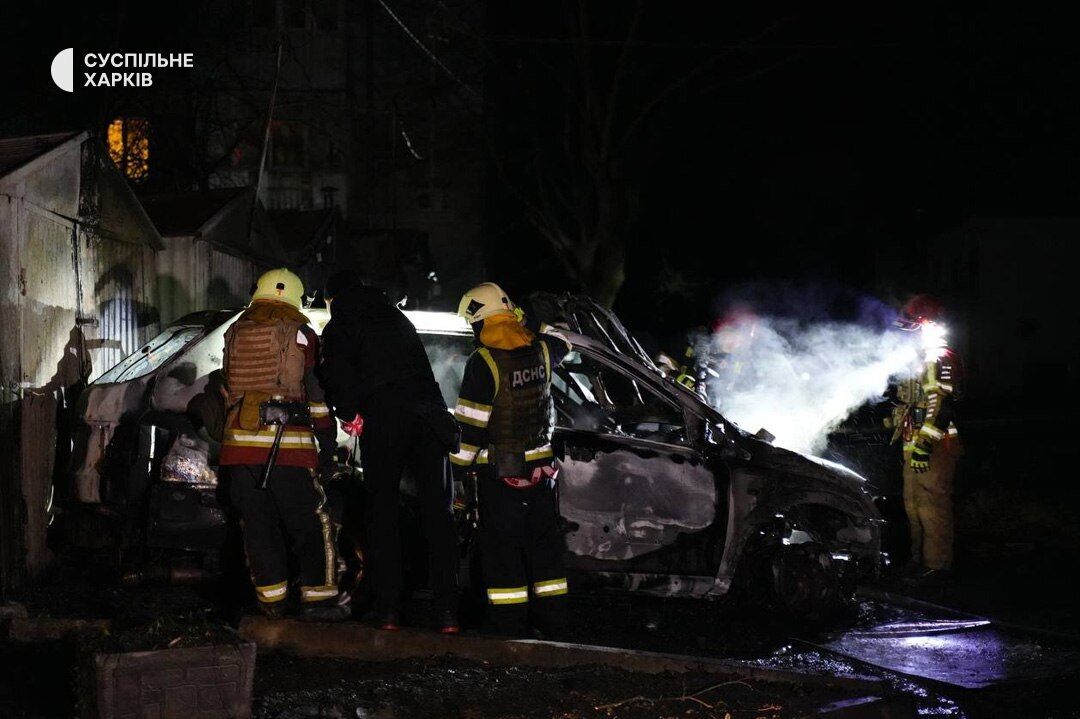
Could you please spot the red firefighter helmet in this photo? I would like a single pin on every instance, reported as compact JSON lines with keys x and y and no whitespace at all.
{"x":918,"y":311}
{"x":736,"y":329}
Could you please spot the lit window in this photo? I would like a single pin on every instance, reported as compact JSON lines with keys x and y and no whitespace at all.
{"x":129,"y":146}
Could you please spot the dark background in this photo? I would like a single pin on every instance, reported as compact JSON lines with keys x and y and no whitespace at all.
{"x":809,"y":159}
{"x":803,"y":144}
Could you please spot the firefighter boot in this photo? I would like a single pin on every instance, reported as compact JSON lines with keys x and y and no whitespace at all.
{"x":325,"y":612}
{"x":275,"y":610}
{"x":448,"y":622}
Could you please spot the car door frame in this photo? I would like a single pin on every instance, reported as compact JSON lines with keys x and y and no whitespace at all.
{"x":653,"y":582}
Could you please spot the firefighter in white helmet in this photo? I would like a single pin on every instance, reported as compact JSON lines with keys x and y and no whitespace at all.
{"x":506,"y":415}
{"x":274,"y":398}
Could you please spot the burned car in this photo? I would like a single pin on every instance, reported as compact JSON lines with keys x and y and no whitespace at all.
{"x":658,"y":493}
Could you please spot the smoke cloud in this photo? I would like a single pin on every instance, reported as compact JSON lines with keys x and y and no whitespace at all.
{"x":801,"y":380}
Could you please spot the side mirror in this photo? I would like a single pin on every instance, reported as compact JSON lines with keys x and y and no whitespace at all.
{"x":765,"y":436}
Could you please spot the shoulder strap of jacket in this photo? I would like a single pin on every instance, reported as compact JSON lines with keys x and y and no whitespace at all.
{"x":485,"y":353}
{"x":547,"y":361}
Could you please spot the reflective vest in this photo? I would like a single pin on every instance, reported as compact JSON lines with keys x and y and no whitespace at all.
{"x":921,"y":397}
{"x":522,"y":413}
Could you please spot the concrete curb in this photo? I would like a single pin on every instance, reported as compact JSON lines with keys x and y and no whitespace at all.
{"x":47,"y":629}
{"x":357,"y":641}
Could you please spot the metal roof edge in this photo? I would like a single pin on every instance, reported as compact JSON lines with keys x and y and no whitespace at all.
{"x":108,"y":169}
{"x":243,"y":191}
{"x":77,"y":136}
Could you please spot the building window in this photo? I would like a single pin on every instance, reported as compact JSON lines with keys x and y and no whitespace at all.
{"x":129,"y":146}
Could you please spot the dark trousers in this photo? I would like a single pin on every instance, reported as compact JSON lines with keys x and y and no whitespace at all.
{"x":522,"y":557}
{"x":397,"y":439}
{"x":294,"y":501}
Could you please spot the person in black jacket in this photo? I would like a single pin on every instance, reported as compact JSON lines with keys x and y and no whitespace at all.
{"x":380,"y":384}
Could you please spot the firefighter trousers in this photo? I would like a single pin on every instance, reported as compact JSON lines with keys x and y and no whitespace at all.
{"x":294,"y":502}
{"x":396,"y":440}
{"x":928,"y":501}
{"x":522,"y":557}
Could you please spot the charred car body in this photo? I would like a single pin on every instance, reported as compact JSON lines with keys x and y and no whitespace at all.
{"x":658,"y":493}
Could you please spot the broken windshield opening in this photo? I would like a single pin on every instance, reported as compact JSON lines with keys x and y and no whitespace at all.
{"x":152,"y":355}
{"x":593,"y":396}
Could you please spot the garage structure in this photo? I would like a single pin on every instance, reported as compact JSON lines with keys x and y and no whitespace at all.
{"x":210,"y":258}
{"x":76,"y":294}
{"x":89,"y":273}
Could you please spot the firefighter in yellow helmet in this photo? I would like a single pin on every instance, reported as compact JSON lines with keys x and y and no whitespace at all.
{"x":268,"y":454}
{"x":924,"y":418}
{"x":506,"y":415}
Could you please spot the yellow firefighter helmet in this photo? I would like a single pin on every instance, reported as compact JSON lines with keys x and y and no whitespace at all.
{"x":280,"y":285}
{"x":483,"y":301}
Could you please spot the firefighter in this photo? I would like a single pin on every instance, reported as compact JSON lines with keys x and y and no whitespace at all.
{"x":506,"y":415}
{"x":381,"y":385}
{"x":924,"y":419}
{"x":732,"y":345}
{"x":269,"y":362}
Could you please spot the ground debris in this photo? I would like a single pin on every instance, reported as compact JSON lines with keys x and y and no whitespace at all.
{"x":292,"y":687}
{"x":190,"y":629}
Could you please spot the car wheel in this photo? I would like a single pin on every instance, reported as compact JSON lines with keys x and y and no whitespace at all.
{"x":808,"y":585}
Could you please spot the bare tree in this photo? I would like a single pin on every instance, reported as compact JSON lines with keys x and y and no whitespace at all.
{"x":581,"y":192}
{"x":580,"y":195}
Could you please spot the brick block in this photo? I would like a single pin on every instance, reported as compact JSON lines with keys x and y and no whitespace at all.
{"x":212,"y":682}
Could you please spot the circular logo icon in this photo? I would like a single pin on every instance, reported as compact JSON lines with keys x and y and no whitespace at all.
{"x":63,"y":70}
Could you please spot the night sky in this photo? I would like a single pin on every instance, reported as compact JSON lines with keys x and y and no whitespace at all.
{"x":829,"y":133}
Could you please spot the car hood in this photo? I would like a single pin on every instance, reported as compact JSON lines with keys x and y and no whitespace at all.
{"x":769,"y":456}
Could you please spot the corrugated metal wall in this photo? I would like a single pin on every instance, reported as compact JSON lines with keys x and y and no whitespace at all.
{"x":12,"y":537}
{"x":74,"y":301}
{"x":193,"y":276}
{"x":231,"y":279}
{"x":58,"y":279}
{"x":39,"y":300}
{"x":181,"y":277}
{"x":119,"y":283}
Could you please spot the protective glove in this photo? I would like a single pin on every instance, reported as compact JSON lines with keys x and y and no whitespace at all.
{"x":920,"y":457}
{"x":354,"y":427}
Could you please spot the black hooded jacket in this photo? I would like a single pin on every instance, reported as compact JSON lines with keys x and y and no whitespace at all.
{"x":372,"y":357}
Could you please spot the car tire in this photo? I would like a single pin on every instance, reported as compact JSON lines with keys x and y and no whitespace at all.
{"x":809,"y":586}
{"x":801,"y":584}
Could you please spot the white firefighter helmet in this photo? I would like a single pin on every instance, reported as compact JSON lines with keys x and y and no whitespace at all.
{"x":280,"y":285}
{"x":483,"y":301}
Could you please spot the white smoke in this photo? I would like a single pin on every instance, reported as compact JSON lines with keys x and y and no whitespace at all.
{"x":800,"y":381}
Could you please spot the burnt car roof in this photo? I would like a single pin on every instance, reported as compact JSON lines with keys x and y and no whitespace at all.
{"x":597,"y":330}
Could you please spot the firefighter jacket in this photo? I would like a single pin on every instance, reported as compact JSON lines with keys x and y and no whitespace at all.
{"x":373,"y":356}
{"x":505,"y":407}
{"x":925,"y":409}
{"x":270,"y":351}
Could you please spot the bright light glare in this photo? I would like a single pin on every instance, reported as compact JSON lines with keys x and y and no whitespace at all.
{"x":446,"y":323}
{"x":934,"y":339}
